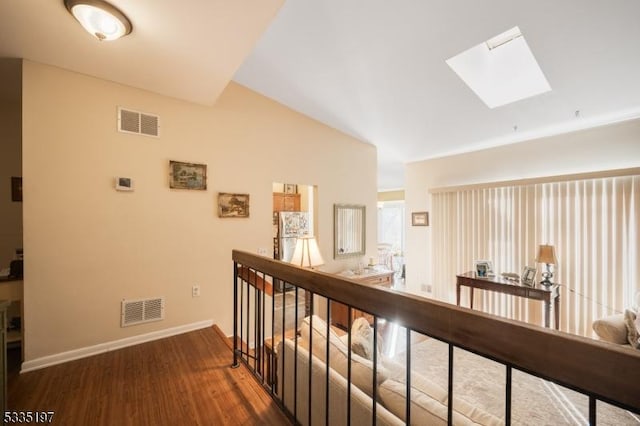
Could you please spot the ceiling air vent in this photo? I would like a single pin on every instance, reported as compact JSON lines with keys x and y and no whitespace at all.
{"x":141,"y":310}
{"x":139,"y":123}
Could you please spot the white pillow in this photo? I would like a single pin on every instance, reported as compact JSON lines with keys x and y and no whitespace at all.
{"x":611,"y":329}
{"x":361,"y":369}
{"x":362,"y":338}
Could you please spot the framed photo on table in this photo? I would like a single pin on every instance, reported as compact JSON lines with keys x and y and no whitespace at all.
{"x":483,"y":268}
{"x":529,"y":276}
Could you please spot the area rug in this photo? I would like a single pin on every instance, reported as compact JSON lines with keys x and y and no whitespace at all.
{"x":481,"y":382}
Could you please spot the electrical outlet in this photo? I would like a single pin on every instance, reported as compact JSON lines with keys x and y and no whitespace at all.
{"x":195,"y":290}
{"x":426,"y":288}
{"x":262,"y":251}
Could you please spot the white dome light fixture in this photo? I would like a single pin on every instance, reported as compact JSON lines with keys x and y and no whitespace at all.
{"x":99,"y":18}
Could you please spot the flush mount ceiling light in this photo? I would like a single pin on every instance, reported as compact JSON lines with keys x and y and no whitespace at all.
{"x":99,"y":18}
{"x":501,"y":70}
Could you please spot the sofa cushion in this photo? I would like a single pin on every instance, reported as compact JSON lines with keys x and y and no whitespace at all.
{"x":361,"y":368}
{"x":429,"y":404}
{"x":611,"y":329}
{"x":633,"y":328}
{"x":362,"y":338}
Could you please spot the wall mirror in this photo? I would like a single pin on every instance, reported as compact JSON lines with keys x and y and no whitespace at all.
{"x":349,"y":231}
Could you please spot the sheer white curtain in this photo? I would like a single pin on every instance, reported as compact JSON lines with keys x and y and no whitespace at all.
{"x":592,"y":223}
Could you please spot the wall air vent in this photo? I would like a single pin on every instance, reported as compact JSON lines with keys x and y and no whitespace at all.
{"x":139,"y":123}
{"x":141,"y":310}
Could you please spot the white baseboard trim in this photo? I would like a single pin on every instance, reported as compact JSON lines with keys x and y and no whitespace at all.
{"x":49,"y":360}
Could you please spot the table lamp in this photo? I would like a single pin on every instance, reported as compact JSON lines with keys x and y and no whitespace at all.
{"x":307,"y":254}
{"x":547,"y":255}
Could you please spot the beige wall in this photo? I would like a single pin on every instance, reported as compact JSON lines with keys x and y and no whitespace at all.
{"x":89,"y":246}
{"x":616,"y":146}
{"x":10,"y":158}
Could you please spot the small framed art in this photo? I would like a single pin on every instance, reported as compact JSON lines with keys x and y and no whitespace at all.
{"x":187,"y":175}
{"x":233,"y":205}
{"x":420,"y":219}
{"x":529,"y":276}
{"x":290,"y":188}
{"x":483,"y":268}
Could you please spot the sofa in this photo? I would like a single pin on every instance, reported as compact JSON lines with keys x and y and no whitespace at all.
{"x":428,"y":400}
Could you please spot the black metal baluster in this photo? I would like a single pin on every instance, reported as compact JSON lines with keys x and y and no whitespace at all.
{"x":349,"y":313}
{"x":261,"y":335}
{"x":272,"y":366}
{"x":326,"y":358}
{"x":450,"y":407}
{"x":235,"y":316}
{"x":592,"y":410}
{"x":310,"y":358}
{"x":248,"y":312}
{"x":408,"y":398}
{"x":507,"y":414}
{"x":256,"y":319}
{"x":295,"y":358}
{"x":241,"y":315}
{"x":375,"y":369}
{"x":284,"y":365}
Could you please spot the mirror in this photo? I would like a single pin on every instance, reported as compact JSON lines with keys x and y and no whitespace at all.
{"x":348,"y":231}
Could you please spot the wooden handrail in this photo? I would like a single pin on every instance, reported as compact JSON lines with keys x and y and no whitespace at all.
{"x":607,"y":371}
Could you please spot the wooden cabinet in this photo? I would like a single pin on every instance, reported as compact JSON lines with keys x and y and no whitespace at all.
{"x":286,"y":202}
{"x":340,"y":312}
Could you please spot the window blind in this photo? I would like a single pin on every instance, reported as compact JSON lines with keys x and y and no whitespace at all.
{"x":593,"y":224}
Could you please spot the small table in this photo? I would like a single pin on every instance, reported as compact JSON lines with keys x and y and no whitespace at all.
{"x":370,"y":276}
{"x":538,"y":292}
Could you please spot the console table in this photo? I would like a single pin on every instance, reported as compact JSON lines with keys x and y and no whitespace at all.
{"x":548,"y":295}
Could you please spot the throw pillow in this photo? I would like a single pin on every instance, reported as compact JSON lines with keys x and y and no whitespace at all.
{"x":612,"y":329}
{"x":361,"y":369}
{"x":362,"y":338}
{"x":633,"y":333}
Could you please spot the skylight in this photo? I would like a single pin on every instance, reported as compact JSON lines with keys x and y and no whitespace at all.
{"x":501,"y":70}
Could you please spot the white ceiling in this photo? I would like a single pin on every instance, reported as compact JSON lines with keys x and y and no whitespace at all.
{"x":372,"y":68}
{"x":185,"y":49}
{"x":376,"y":70}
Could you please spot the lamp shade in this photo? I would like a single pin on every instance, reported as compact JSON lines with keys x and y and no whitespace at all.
{"x":547,"y":254}
{"x":307,"y":254}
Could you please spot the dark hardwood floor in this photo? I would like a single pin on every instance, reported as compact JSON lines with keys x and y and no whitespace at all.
{"x":180,"y":380}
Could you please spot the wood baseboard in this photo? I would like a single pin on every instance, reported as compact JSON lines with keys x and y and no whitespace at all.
{"x":59,"y":358}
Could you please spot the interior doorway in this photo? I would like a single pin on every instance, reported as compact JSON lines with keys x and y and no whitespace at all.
{"x":293,"y":216}
{"x":391,"y":235}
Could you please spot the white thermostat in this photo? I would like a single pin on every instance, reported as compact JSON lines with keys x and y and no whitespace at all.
{"x":124,"y":184}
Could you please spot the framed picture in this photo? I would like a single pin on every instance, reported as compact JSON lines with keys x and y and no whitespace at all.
{"x":484,"y":268}
{"x":233,"y":205}
{"x":187,"y":175}
{"x":529,"y":276}
{"x":290,"y":188}
{"x":420,"y":219}
{"x":16,"y":188}
{"x":124,"y":184}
